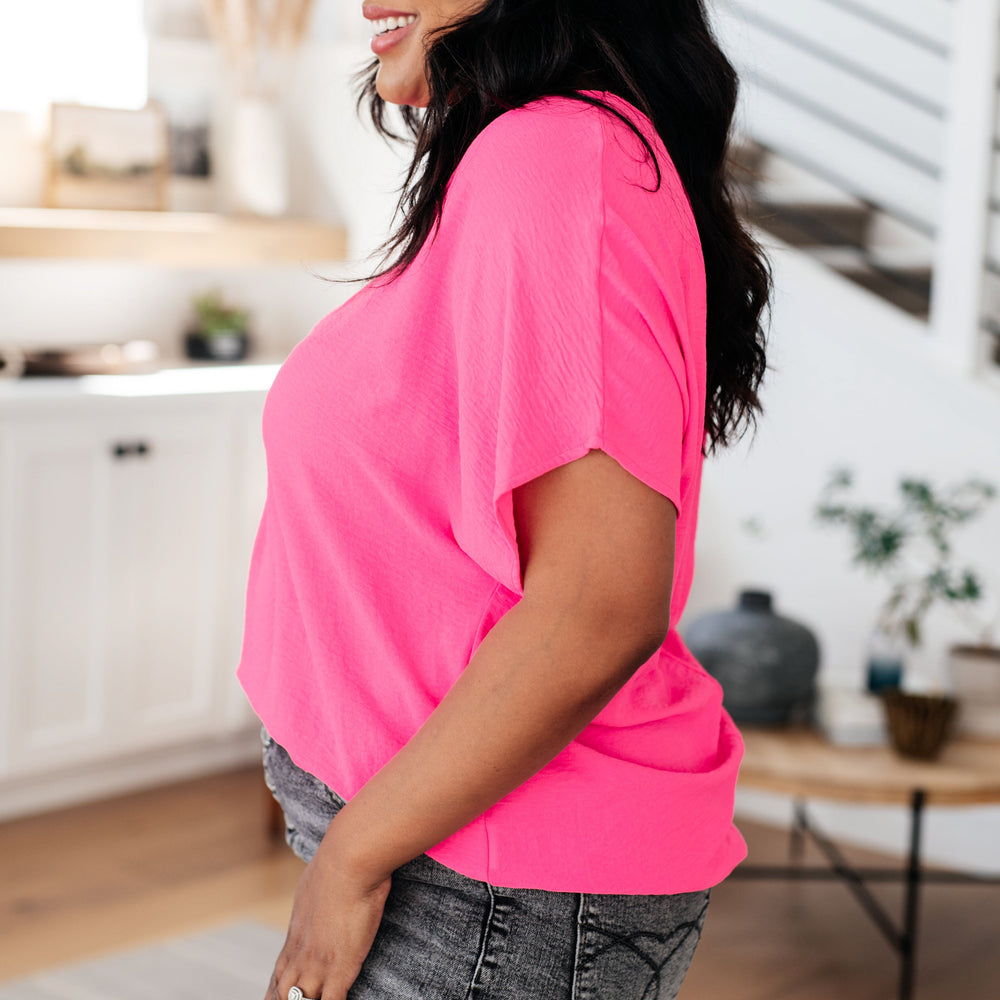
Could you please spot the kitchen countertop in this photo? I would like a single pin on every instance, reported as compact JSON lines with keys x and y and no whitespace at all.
{"x":173,"y":377}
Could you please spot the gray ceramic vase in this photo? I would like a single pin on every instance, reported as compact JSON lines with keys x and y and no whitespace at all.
{"x":766,"y":663}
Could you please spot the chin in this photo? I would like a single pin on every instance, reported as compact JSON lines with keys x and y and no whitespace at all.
{"x":400,"y":102}
{"x":397,"y":95}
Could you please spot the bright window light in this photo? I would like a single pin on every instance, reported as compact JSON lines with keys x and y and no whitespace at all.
{"x":91,"y":52}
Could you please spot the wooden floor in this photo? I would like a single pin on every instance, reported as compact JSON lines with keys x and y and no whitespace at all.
{"x":130,"y":871}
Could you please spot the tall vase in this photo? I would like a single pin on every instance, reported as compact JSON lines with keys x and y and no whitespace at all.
{"x":886,"y":661}
{"x":765,"y":662}
{"x":258,"y":158}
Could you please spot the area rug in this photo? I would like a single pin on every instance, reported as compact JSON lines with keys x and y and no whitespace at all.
{"x":231,"y":962}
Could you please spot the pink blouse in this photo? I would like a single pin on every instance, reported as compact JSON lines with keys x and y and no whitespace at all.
{"x":559,"y":307}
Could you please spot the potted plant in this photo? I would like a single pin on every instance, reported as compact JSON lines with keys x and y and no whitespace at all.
{"x":910,"y":546}
{"x":917,"y":529}
{"x":221,"y":332}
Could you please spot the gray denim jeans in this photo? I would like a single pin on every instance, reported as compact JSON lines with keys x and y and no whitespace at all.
{"x":444,"y":936}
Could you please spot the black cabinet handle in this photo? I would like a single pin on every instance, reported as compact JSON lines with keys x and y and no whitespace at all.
{"x":122,"y":449}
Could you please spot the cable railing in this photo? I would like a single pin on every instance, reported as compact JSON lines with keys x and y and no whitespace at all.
{"x":840,"y":87}
{"x":882,"y":104}
{"x":991,"y":281}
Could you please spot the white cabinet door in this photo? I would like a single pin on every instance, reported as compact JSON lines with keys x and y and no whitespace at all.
{"x":248,"y":505}
{"x":171,"y":491}
{"x":55,"y":587}
{"x":117,"y":527}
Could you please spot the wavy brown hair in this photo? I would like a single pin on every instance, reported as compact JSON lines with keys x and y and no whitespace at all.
{"x":659,"y":55}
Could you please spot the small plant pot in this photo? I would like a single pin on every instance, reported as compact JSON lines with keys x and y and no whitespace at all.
{"x":919,"y":724}
{"x":975,"y":672}
{"x":223,"y":345}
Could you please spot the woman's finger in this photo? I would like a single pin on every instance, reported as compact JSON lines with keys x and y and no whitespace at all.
{"x":271,"y":993}
{"x":290,"y":970}
{"x":281,"y":966}
{"x":317,"y":981}
{"x":310,"y":983}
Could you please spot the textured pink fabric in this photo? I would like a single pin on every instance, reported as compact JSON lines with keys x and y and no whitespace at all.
{"x":560,"y":307}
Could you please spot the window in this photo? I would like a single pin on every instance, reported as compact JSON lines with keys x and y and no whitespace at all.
{"x":67,"y":50}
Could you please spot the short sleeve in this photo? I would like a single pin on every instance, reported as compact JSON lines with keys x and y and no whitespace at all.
{"x":566,"y":335}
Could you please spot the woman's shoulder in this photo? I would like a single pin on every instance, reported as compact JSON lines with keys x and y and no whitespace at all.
{"x":559,"y":124}
{"x":572,"y":139}
{"x":530,"y":163}
{"x":552,"y":130}
{"x":559,"y":161}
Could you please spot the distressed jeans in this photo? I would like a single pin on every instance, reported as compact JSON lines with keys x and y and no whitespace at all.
{"x":444,"y":936}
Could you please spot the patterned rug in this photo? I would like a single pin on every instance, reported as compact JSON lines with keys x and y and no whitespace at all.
{"x":231,"y":962}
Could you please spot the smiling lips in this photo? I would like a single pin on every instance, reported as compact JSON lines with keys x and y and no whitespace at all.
{"x":390,"y":26}
{"x":384,"y":24}
{"x":375,"y":12}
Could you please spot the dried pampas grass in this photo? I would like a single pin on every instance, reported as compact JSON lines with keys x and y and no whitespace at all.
{"x":258,"y":37}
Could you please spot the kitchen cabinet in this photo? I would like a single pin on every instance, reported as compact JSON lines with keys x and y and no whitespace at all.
{"x":126,"y":526}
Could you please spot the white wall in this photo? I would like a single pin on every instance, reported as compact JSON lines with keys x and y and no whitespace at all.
{"x":340,"y":170}
{"x":851,"y":386}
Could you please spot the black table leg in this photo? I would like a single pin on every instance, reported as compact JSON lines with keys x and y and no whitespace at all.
{"x":908,"y":938}
{"x":797,"y":839}
{"x":904,"y":938}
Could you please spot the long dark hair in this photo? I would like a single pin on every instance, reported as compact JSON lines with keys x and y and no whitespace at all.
{"x":659,"y":55}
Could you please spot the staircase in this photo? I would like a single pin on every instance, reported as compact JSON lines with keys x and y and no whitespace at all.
{"x":848,"y":234}
{"x":869,"y":139}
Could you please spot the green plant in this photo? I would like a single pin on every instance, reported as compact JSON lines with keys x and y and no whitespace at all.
{"x":214,"y":317}
{"x":918,"y":529}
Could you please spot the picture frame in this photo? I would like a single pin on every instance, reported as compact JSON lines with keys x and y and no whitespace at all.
{"x":186,"y":84}
{"x":107,"y":158}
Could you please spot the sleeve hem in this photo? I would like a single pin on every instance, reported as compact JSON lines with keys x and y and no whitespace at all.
{"x":504,"y":507}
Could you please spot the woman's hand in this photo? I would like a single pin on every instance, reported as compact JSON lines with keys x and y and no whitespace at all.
{"x":335,"y":916}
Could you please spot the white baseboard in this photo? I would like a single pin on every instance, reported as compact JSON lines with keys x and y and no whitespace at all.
{"x":39,"y":793}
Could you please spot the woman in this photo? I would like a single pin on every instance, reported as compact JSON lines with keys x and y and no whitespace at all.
{"x":508,"y":775}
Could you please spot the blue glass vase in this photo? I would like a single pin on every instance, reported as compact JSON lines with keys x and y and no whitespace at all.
{"x":886,"y":662}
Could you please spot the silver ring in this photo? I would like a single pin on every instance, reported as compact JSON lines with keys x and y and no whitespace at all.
{"x":296,"y":994}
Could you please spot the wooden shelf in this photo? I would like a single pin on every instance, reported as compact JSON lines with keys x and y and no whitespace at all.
{"x":187,"y":239}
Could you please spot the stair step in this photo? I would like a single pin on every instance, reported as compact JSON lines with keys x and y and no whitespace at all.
{"x":812,"y":225}
{"x":852,"y":238}
{"x":745,"y":156}
{"x":907,"y":288}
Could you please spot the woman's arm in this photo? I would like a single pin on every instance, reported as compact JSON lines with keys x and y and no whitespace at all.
{"x":597,"y":554}
{"x":597,"y":558}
